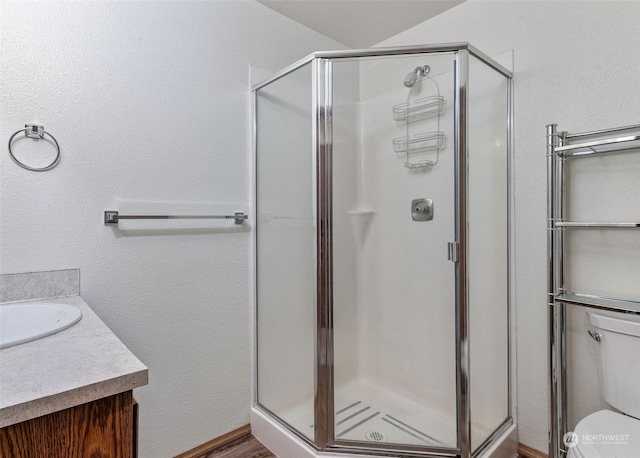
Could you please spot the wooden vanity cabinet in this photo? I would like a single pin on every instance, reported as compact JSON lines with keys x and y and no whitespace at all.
{"x":106,"y":428}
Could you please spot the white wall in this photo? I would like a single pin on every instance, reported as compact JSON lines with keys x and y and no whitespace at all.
{"x":575,"y":65}
{"x":150,"y":104}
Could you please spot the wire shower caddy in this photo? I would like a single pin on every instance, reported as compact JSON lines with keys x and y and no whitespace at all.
{"x":417,"y":110}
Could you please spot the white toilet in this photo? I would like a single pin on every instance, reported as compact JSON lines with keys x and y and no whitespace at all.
{"x":608,"y":434}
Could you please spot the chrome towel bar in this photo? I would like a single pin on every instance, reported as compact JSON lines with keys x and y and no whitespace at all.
{"x":113,"y":217}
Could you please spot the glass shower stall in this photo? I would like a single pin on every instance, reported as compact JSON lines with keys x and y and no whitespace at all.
{"x":382,"y":252}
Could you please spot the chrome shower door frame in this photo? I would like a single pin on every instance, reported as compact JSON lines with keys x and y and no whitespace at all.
{"x":323,"y":402}
{"x":463,"y":368}
{"x":324,"y":434}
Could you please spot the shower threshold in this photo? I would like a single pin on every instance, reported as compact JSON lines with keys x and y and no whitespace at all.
{"x":371,"y":413}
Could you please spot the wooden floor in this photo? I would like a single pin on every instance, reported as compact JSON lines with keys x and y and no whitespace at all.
{"x":241,"y":444}
{"x":248,"y":447}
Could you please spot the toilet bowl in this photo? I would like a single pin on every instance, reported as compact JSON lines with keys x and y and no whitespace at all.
{"x":609,"y":434}
{"x":606,"y":434}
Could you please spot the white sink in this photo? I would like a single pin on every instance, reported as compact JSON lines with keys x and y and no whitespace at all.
{"x":24,"y":322}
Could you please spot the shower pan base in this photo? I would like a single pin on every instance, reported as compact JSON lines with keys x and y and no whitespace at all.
{"x":368,"y":412}
{"x":285,"y":444}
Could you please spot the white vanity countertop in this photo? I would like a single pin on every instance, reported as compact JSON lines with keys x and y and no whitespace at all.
{"x":78,"y":365}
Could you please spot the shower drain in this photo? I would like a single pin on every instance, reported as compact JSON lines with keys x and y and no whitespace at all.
{"x":375,"y":436}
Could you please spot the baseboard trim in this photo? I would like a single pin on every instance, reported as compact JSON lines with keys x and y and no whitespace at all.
{"x":217,"y":443}
{"x":529,"y":452}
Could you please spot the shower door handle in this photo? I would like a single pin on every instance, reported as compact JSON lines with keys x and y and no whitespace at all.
{"x":453,"y":249}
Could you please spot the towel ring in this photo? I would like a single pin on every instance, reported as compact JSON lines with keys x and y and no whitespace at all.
{"x":37,"y":132}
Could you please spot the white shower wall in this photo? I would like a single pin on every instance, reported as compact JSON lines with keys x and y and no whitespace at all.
{"x":407,"y":304}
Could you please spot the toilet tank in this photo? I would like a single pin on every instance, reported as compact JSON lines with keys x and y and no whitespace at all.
{"x":620,"y":357}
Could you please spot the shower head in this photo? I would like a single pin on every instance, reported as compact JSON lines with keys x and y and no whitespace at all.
{"x":412,"y":78}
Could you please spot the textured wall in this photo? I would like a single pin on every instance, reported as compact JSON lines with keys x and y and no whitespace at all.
{"x":574,"y":66}
{"x":150,"y":104}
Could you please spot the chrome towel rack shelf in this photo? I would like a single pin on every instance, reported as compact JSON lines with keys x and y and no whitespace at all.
{"x":568,"y":224}
{"x":603,"y":146}
{"x":113,"y":217}
{"x":563,"y":149}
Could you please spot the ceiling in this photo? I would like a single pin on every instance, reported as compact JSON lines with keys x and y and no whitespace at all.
{"x":360,"y":23}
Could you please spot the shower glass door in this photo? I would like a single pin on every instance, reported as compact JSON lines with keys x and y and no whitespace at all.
{"x":393,"y":215}
{"x":286,"y":249}
{"x":487,"y":249}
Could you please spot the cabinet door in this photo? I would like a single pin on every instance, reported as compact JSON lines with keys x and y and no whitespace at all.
{"x":102,"y":428}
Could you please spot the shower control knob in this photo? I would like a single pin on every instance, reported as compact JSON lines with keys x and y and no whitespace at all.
{"x":422,"y":209}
